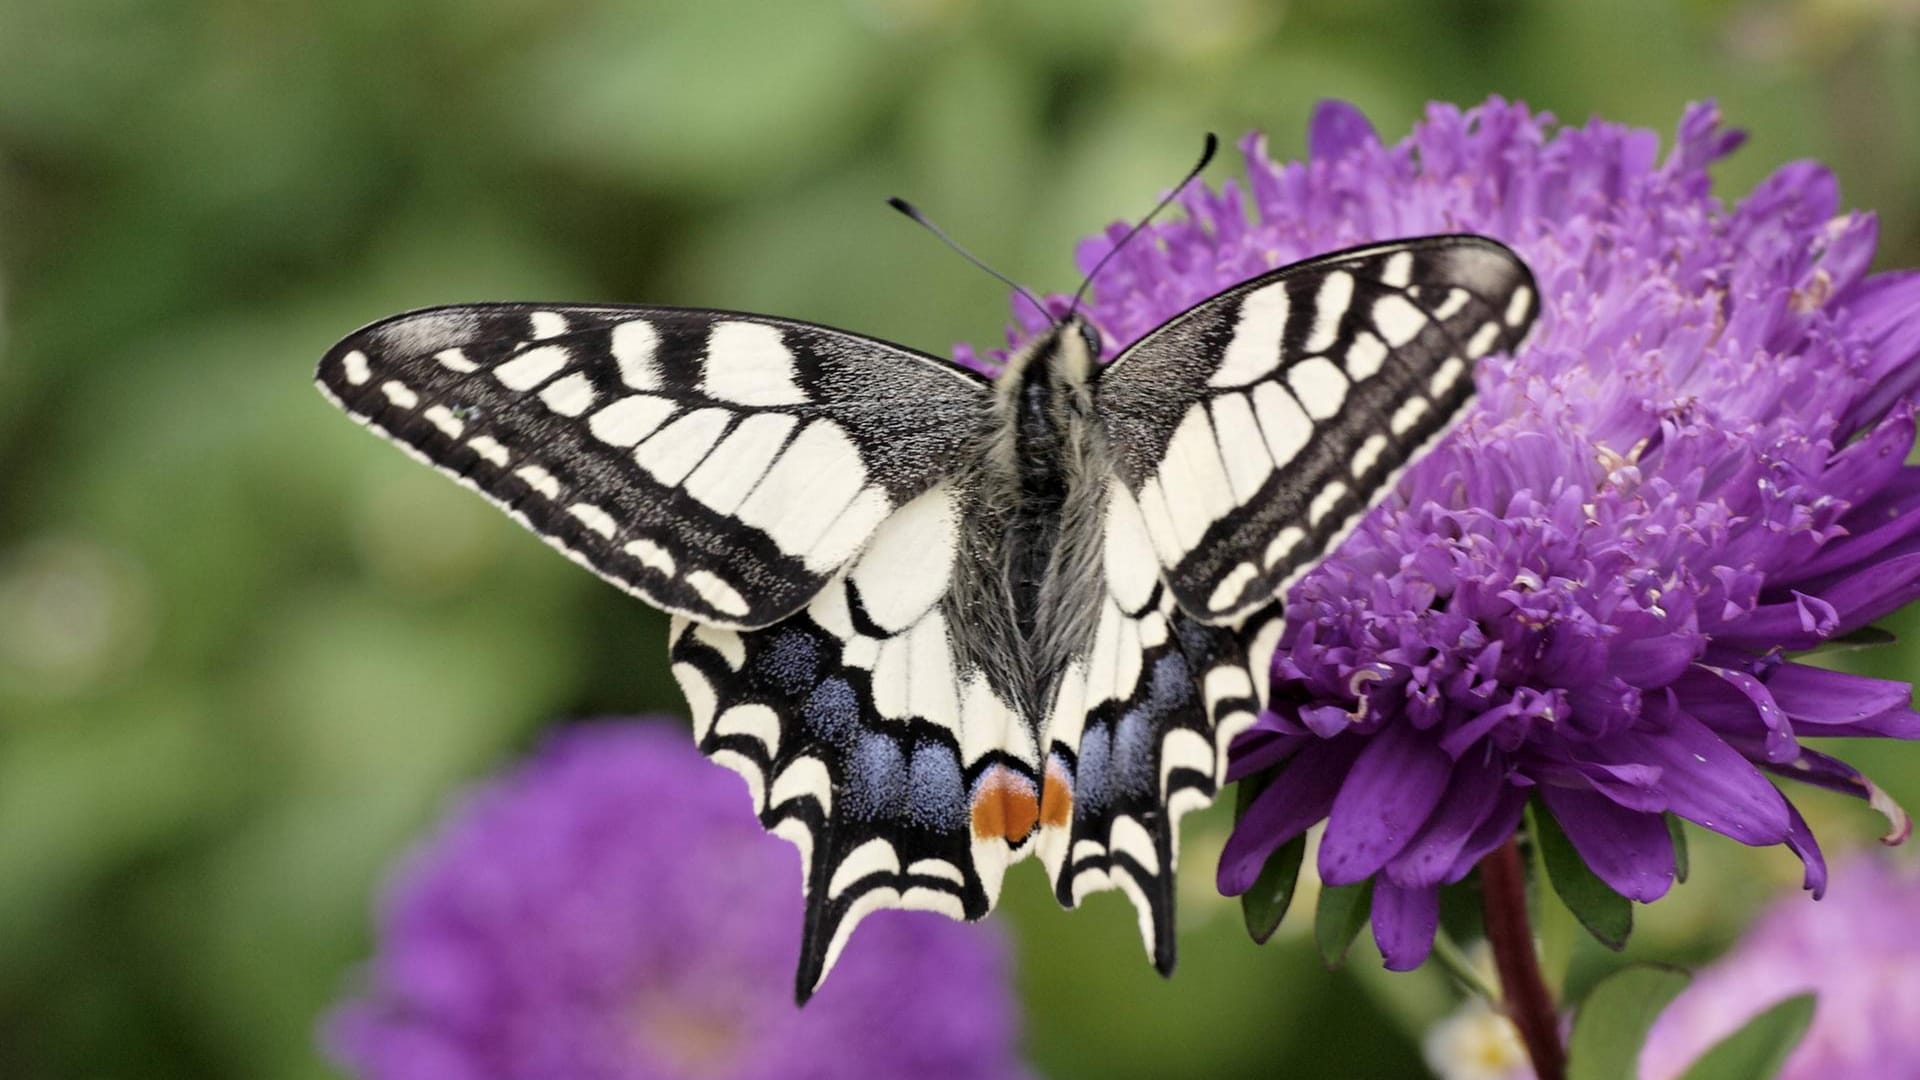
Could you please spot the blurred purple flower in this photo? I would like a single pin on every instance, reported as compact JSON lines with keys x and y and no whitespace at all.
{"x":1694,"y":467}
{"x":1859,"y":956}
{"x":611,"y":910}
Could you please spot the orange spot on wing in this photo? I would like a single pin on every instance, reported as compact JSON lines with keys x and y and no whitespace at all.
{"x":1056,"y":796}
{"x":1004,"y":806}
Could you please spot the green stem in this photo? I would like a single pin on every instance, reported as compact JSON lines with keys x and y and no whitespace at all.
{"x":1448,"y":956}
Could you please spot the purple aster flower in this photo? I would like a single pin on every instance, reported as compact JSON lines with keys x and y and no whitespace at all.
{"x":1860,"y":957}
{"x":1589,"y":593}
{"x":612,"y":910}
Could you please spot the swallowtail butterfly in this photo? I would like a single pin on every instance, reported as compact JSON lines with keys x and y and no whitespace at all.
{"x":940,"y":622}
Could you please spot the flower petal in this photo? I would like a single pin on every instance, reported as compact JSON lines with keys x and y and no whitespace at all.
{"x":1799,"y":623}
{"x":1882,"y":312}
{"x":1472,"y":796}
{"x":1706,"y":781}
{"x":1629,"y":850}
{"x":1257,"y":751}
{"x":1874,"y":591}
{"x":1493,"y":832}
{"x":1393,"y":786}
{"x":1837,"y":703}
{"x":1738,"y":707}
{"x":1884,"y":523}
{"x":1864,"y":467}
{"x":1299,"y":796}
{"x":1826,"y":771}
{"x":1404,"y":922}
{"x":1653,"y":662}
{"x":1802,"y":843}
{"x":1337,"y":128}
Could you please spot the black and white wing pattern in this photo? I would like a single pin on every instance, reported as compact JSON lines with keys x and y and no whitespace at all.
{"x":1138,"y":729}
{"x":719,"y":466}
{"x":1248,"y":436}
{"x":1256,"y":429}
{"x":869,"y":738}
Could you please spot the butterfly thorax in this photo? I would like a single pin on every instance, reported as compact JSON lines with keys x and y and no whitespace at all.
{"x":1041,"y":477}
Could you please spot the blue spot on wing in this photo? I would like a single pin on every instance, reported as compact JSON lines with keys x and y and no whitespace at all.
{"x":791,"y":664}
{"x":1132,"y":766}
{"x":936,"y":793}
{"x":1170,"y":686}
{"x":876,"y":784}
{"x":1090,"y":791}
{"x":832,"y":712}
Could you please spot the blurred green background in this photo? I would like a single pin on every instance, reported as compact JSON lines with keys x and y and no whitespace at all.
{"x":247,"y":652}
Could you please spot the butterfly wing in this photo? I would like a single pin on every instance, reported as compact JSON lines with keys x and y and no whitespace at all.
{"x":1249,"y":435}
{"x":717,"y":465}
{"x":867,"y":735}
{"x":1257,"y":428}
{"x":1137,"y":731}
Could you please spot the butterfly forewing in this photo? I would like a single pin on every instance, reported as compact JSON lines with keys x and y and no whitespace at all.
{"x":1255,"y":429}
{"x":719,"y":466}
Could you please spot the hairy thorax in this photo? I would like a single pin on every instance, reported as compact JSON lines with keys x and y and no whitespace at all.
{"x":1044,"y":487}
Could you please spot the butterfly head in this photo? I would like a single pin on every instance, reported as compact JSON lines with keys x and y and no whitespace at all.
{"x":1066,"y":352}
{"x":1088,"y":334}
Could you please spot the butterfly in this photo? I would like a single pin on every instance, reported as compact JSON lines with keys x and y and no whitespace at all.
{"x":941,"y":622}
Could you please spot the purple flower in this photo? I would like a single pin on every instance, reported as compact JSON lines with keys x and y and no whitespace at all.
{"x":612,"y":910}
{"x":1860,"y":957}
{"x":1693,"y":468}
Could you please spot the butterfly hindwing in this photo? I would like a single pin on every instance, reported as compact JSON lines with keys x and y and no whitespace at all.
{"x":1258,"y":427}
{"x":720,"y":466}
{"x":1138,"y":729}
{"x":868,"y":739}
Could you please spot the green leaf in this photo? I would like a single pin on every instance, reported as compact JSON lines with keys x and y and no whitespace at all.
{"x":1461,"y":917}
{"x":1614,"y":1020}
{"x":1554,"y":925}
{"x":1343,"y":910}
{"x":1758,"y":1050}
{"x":1265,"y":905}
{"x":1678,"y":830}
{"x":1606,"y":914}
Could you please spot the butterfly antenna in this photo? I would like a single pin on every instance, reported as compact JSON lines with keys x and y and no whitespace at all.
{"x":1206,"y":155}
{"x":924,"y":222}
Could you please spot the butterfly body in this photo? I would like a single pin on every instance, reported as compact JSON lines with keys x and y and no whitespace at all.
{"x":940,"y":623}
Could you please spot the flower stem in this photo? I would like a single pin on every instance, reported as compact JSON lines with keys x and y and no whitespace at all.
{"x":1528,"y":1002}
{"x":1456,"y":964}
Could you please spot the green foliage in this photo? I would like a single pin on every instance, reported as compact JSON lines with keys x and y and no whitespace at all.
{"x":1342,"y":913}
{"x":1682,"y":862}
{"x":1606,"y":914}
{"x":1613,"y":1021}
{"x":1760,"y":1048}
{"x":1265,"y":905}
